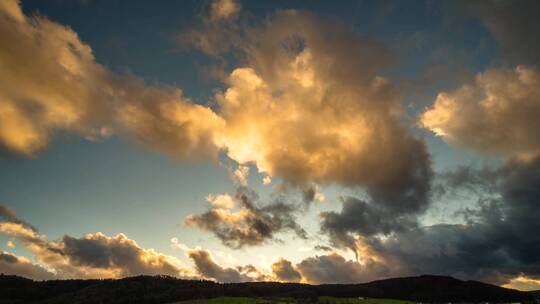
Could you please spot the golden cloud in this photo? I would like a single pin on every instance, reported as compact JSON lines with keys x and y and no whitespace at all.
{"x":497,"y":114}
{"x":309,"y":106}
{"x":224,"y":9}
{"x":51,"y":82}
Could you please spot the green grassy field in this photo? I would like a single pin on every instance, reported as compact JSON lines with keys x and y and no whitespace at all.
{"x":322,"y":300}
{"x":331,"y":300}
{"x":236,"y":300}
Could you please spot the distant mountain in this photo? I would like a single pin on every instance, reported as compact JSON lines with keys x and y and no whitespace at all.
{"x":163,"y":289}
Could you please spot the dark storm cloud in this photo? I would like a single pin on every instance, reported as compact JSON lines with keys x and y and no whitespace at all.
{"x":392,"y":204}
{"x":251,"y":224}
{"x":363,"y":218}
{"x":468,"y":178}
{"x":284,"y":271}
{"x":496,"y":113}
{"x":208,"y":268}
{"x":514,"y":24}
{"x":89,"y":252}
{"x":9,"y":216}
{"x":408,"y":191}
{"x":465,"y":180}
{"x":333,"y":268}
{"x":498,"y":241}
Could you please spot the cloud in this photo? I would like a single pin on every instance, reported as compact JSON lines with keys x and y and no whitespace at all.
{"x":321,"y":114}
{"x":224,"y":9}
{"x":67,"y":93}
{"x":350,"y":122}
{"x":267,"y":180}
{"x":218,"y":32}
{"x":312,"y":193}
{"x":93,"y":255}
{"x":240,"y":175}
{"x":73,"y":93}
{"x":11,"y":264}
{"x":495,"y":114}
{"x":221,"y":201}
{"x":117,"y":253}
{"x":250,"y":225}
{"x":309,"y":105}
{"x":511,"y":23}
{"x":466,"y":178}
{"x":335,"y":269}
{"x":331,"y":268}
{"x":162,"y":119}
{"x":10,"y":216}
{"x":495,"y":244}
{"x":38,"y":245}
{"x":284,"y":271}
{"x":358,"y":217}
{"x":96,"y":255}
{"x":208,"y":268}
{"x":308,"y":109}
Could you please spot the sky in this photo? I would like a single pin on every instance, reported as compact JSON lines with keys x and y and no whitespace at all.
{"x":293,"y":141}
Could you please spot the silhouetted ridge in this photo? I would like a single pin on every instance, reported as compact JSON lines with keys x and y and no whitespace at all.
{"x":430,"y":288}
{"x":165,"y":289}
{"x":535,"y":293}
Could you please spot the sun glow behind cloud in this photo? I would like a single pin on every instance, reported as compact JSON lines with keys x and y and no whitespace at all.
{"x":523,"y":283}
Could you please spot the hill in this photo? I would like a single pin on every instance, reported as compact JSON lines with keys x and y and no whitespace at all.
{"x":163,"y":289}
{"x":535,"y":294}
